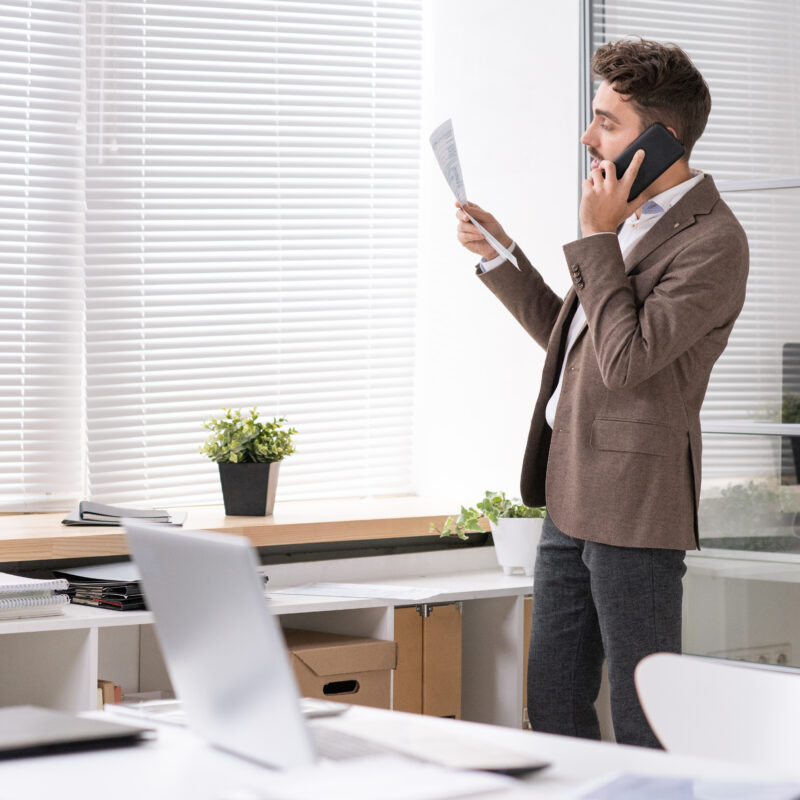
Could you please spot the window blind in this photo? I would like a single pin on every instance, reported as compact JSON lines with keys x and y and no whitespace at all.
{"x":41,"y":258}
{"x":252,"y":173}
{"x":748,"y":55}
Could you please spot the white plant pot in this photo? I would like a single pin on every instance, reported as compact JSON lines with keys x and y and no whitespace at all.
{"x":515,"y":542}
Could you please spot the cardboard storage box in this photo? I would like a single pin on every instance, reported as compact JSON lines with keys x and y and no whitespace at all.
{"x":428,"y":675}
{"x":346,"y":668}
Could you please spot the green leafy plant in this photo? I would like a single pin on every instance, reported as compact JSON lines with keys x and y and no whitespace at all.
{"x":790,"y":407}
{"x":237,"y":439}
{"x":741,"y":509}
{"x":787,"y":409}
{"x":493,"y":506}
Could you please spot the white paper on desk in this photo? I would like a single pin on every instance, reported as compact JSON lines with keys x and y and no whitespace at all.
{"x":649,"y":787}
{"x":117,"y":571}
{"x":443,"y":142}
{"x":369,"y":590}
{"x":384,"y":777}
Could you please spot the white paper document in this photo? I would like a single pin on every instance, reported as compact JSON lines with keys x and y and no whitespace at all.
{"x":645,"y":787}
{"x":117,"y":571}
{"x":443,"y":142}
{"x":384,"y":777}
{"x":370,"y":590}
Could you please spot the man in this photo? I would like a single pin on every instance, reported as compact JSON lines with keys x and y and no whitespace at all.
{"x":614,"y":443}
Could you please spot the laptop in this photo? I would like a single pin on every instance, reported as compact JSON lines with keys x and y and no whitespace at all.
{"x":34,"y":731}
{"x":230,"y":667}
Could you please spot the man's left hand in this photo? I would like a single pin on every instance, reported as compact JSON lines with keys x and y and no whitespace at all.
{"x":604,"y":201}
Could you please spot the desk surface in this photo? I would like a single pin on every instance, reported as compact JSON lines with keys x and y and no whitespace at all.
{"x":42,"y":537}
{"x":178,"y":766}
{"x":484,"y":582}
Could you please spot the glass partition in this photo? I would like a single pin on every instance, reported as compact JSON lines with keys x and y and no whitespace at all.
{"x":753,"y":508}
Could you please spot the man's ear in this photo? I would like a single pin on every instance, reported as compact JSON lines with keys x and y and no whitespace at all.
{"x":673,"y":132}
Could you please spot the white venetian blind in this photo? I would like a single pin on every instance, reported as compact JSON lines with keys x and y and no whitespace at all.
{"x":41,"y":241}
{"x":252,"y":213}
{"x":748,"y":54}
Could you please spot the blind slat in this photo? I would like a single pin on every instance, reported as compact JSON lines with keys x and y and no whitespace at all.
{"x":200,"y":206}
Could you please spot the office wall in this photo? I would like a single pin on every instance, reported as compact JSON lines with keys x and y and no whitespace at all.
{"x":508,"y":74}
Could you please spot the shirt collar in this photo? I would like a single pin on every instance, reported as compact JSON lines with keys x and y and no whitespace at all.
{"x":669,"y":197}
{"x":662,"y":202}
{"x":651,"y":207}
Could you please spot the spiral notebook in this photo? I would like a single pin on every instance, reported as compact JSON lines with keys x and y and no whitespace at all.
{"x":22,"y":597}
{"x":22,"y":607}
{"x":18,"y":585}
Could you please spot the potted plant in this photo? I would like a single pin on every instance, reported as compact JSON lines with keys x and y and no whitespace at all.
{"x":249,"y":455}
{"x":743,"y":516}
{"x":790,"y":413}
{"x":516,"y":529}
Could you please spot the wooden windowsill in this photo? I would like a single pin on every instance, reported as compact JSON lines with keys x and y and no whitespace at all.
{"x":42,"y":537}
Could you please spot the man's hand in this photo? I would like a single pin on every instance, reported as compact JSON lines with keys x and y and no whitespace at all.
{"x":472,"y":238}
{"x":604,"y":201}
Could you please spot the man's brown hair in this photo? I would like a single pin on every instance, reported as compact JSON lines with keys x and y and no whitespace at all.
{"x":660,"y":81}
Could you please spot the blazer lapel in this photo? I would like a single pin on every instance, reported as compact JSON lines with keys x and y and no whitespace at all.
{"x":565,"y":314}
{"x":552,"y":360}
{"x":700,"y":200}
{"x":674,"y":221}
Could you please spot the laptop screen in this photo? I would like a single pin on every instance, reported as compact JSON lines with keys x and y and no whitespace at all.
{"x":222,"y":646}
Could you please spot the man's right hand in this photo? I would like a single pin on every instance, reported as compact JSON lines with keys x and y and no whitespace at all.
{"x":472,"y":238}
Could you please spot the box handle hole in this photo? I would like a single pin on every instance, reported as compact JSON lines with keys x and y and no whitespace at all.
{"x":340,"y":687}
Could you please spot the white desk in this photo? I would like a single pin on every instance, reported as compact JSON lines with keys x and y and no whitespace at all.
{"x":178,"y":766}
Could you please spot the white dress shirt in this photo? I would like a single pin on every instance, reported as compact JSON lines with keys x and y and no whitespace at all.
{"x":633,"y":229}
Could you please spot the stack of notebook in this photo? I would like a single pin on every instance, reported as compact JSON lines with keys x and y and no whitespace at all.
{"x":89,"y":513}
{"x":30,"y":597}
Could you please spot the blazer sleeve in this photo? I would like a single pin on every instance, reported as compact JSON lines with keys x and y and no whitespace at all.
{"x":525,"y":294}
{"x":703,"y":288}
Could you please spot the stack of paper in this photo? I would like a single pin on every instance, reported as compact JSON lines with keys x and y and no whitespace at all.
{"x":30,"y":597}
{"x":443,"y":142}
{"x":380,"y":591}
{"x":89,"y":513}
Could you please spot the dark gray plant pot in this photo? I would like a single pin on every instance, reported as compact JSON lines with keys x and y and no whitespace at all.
{"x":248,"y":489}
{"x":795,"y":440}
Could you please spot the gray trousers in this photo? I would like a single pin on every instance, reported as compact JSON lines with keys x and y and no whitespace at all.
{"x":593,"y":601}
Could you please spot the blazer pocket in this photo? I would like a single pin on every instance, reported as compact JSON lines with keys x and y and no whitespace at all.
{"x":627,"y":436}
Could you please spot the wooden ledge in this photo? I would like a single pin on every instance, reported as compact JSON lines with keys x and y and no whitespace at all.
{"x":42,"y":537}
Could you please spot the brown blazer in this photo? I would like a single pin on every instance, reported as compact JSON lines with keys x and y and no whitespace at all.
{"x":622,"y":463}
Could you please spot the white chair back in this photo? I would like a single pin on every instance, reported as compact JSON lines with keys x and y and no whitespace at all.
{"x":749,"y":713}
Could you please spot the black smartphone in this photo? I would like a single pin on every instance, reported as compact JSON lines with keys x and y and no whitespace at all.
{"x":661,"y":151}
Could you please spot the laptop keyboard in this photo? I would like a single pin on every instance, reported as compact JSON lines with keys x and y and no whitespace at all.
{"x":339,"y":746}
{"x":396,"y":736}
{"x":171,"y":711}
{"x":402,"y":735}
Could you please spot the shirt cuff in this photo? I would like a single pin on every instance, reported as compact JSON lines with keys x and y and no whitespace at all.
{"x":599,"y":233}
{"x":497,"y":260}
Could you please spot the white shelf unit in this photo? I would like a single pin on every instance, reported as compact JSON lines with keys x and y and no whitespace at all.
{"x":56,"y":661}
